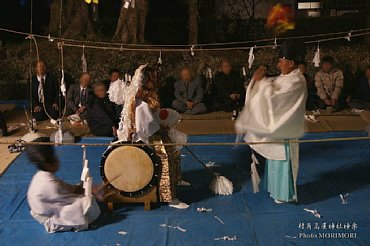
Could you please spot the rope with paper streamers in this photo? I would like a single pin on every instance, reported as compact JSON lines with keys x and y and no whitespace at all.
{"x":210,"y":144}
{"x":144,"y":47}
{"x":51,"y":39}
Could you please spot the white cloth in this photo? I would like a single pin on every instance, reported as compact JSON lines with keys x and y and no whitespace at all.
{"x":145,"y":122}
{"x":274,"y":111}
{"x":54,"y":204}
{"x":40,"y":89}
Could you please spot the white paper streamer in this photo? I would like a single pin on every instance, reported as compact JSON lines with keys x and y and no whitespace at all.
{"x":63,"y":85}
{"x":173,"y":227}
{"x":50,"y":39}
{"x":217,"y":218}
{"x":275,"y":44}
{"x":343,"y":198}
{"x":160,"y":58}
{"x":349,"y":36}
{"x":316,"y":58}
{"x":313,"y":211}
{"x":122,"y":232}
{"x":83,"y":59}
{"x":192,"y":53}
{"x":251,"y":57}
{"x":254,"y":174}
{"x":226,"y":238}
{"x":88,"y":186}
{"x":203,"y":209}
{"x":244,"y":72}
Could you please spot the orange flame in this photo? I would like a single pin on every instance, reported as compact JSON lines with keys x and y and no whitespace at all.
{"x":280,"y":18}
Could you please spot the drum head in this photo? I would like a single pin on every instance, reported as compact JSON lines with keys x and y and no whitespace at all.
{"x":131,"y":170}
{"x":129,"y":167}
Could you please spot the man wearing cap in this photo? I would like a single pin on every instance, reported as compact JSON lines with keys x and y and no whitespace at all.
{"x":274,"y":112}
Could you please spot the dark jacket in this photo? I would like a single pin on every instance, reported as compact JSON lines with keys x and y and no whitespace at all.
{"x":73,"y":98}
{"x":191,"y":91}
{"x":51,"y":90}
{"x":362,"y":91}
{"x":101,"y":114}
{"x":225,"y":85}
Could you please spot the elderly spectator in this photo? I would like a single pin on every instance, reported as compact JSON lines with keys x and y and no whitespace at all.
{"x":45,"y":93}
{"x":329,"y":82}
{"x":100,"y":113}
{"x":189,"y":94}
{"x":78,"y":96}
{"x":229,"y":89}
{"x":360,"y":99}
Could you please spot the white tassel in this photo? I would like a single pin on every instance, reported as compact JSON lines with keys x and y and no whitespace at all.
{"x":221,"y":186}
{"x":316,"y":58}
{"x":83,"y":59}
{"x":251,"y":57}
{"x":254,"y":174}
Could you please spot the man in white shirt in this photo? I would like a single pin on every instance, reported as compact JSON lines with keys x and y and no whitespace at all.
{"x":45,"y":94}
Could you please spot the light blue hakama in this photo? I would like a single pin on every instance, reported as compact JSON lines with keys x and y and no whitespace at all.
{"x":279,"y":178}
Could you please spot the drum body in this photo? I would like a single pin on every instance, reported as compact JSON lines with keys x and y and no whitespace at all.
{"x":130,"y":170}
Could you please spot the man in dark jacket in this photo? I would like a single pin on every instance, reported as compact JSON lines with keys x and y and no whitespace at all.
{"x":189,"y":94}
{"x":78,"y":96}
{"x":100,"y":113}
{"x":45,"y":93}
{"x":229,"y":91}
{"x":360,"y":99}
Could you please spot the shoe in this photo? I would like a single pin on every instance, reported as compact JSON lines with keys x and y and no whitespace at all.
{"x":279,"y":202}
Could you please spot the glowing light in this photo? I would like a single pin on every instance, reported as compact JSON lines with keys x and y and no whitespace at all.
{"x":280,"y":18}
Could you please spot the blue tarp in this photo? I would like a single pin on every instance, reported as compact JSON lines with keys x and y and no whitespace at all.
{"x":327,"y":170}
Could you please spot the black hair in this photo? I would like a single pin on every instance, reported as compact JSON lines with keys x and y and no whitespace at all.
{"x":97,"y":84}
{"x":114,"y":70}
{"x":303,"y":63}
{"x":41,"y":155}
{"x":367,"y":67}
{"x":328,"y":59}
{"x":84,"y":73}
{"x":39,"y":61}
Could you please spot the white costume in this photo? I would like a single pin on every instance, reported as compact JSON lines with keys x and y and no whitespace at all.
{"x":54,"y":204}
{"x":274,"y":111}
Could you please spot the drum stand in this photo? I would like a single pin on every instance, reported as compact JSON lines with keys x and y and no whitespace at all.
{"x":148,"y":198}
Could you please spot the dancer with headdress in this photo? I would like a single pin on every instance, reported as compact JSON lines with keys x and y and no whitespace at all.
{"x":142,"y":120}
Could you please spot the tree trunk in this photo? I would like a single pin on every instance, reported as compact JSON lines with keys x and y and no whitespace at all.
{"x":76,"y":20}
{"x":131,"y":23}
{"x":193,"y":22}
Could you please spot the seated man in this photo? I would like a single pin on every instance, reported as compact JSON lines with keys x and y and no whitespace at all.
{"x":360,"y":99}
{"x":78,"y":96}
{"x":100,"y":113}
{"x":229,"y":90}
{"x":311,"y":89}
{"x":189,"y":94}
{"x":45,"y":93}
{"x":329,"y":83}
{"x":114,"y":75}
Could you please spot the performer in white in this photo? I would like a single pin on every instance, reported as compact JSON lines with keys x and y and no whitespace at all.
{"x":55,"y":204}
{"x":274,"y":111}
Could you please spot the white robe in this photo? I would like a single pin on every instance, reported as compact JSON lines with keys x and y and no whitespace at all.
{"x":146,"y":123}
{"x":54,"y":204}
{"x":274,"y":111}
